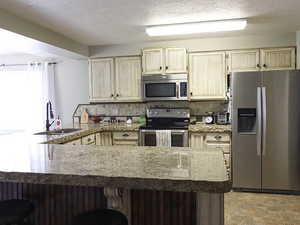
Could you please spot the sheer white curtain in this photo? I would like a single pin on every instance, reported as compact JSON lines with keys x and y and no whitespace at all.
{"x":40,"y":90}
{"x":24,"y":92}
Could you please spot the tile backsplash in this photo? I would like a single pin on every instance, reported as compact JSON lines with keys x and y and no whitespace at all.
{"x":137,"y":109}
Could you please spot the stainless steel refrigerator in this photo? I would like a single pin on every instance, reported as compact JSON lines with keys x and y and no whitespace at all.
{"x":266,"y":130}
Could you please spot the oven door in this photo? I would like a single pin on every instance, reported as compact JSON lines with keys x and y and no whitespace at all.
{"x":179,"y":138}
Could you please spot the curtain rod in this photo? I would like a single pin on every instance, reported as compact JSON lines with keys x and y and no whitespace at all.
{"x":3,"y":65}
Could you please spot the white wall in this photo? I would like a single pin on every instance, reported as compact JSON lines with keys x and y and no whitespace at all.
{"x":72,"y":87}
{"x":201,"y":44}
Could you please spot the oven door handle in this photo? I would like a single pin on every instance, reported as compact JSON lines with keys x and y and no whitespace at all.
{"x":177,"y":90}
{"x":172,"y":131}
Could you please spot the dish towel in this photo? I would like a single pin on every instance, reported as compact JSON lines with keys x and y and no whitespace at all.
{"x":163,"y":138}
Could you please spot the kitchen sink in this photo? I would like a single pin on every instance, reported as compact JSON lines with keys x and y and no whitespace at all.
{"x":57,"y":132}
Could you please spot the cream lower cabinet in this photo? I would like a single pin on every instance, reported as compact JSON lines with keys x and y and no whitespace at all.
{"x":74,"y":142}
{"x":126,"y":138}
{"x":243,"y":60}
{"x":101,"y":80}
{"x":104,"y":139}
{"x":128,"y":79}
{"x":207,"y":76}
{"x":89,"y":140}
{"x":278,"y":59}
{"x":220,"y":141}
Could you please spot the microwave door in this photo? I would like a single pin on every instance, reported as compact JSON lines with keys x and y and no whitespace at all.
{"x":160,"y":90}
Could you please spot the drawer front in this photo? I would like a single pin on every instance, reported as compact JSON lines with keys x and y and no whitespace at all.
{"x":75,"y":142}
{"x":226,"y":148}
{"x":217,"y":137}
{"x":88,"y":140}
{"x":126,"y":142}
{"x":126,"y":136}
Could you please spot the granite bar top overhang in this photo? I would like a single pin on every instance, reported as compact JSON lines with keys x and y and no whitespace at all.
{"x":169,"y":169}
{"x":209,"y":128}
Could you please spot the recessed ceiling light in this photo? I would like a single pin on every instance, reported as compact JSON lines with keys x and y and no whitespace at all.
{"x":194,"y":28}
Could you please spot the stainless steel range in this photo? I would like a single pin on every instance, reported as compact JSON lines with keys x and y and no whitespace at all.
{"x":166,"y":127}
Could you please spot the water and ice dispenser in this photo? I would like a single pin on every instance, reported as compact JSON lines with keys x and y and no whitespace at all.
{"x":247,"y":120}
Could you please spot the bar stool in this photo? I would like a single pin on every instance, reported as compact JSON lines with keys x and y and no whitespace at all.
{"x":101,"y":217}
{"x":15,"y":211}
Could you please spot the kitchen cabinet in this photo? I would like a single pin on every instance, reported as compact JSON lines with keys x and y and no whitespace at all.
{"x":164,"y":61}
{"x":74,"y":142}
{"x":125,"y":138}
{"x":104,"y":139}
{"x":128,"y":79}
{"x":197,"y":140}
{"x":89,"y":140}
{"x":152,"y":61}
{"x":220,"y":141}
{"x":243,"y":60}
{"x":115,"y":80}
{"x":176,"y":60}
{"x":278,"y":59}
{"x":207,"y":76}
{"x":101,"y":80}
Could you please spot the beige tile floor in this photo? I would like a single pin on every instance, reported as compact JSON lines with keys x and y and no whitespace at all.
{"x":261,"y":209}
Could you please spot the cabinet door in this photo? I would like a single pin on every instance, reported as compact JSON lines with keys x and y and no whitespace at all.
{"x":176,"y":60}
{"x":197,"y":140}
{"x":104,"y":139}
{"x":244,"y":60}
{"x":153,"y":61}
{"x":278,"y":59}
{"x":101,"y":80}
{"x":128,"y":79}
{"x":207,"y":77}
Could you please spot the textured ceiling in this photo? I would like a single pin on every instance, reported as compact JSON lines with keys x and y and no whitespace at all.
{"x":102,"y":22}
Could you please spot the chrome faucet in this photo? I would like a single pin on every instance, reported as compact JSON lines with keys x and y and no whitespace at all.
{"x":49,"y":109}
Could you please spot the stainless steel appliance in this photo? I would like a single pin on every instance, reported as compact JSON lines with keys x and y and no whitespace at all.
{"x":266,"y":125}
{"x":176,"y":121}
{"x":164,"y":87}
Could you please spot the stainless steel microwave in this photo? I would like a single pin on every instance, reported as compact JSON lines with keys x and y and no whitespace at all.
{"x":165,"y":87}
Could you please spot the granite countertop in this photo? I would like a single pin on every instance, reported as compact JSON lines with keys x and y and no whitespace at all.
{"x":91,"y":128}
{"x":209,"y":128}
{"x":173,"y":169}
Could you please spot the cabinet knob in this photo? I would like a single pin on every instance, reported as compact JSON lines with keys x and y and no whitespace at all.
{"x":112,"y":95}
{"x":160,"y":68}
{"x":191,"y":93}
{"x":117,"y":95}
{"x":265,"y":65}
{"x":167,"y":67}
{"x":218,"y":137}
{"x":258,"y":66}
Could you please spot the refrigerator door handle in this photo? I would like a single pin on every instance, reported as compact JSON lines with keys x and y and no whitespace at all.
{"x":259,"y":117}
{"x":264,"y":119}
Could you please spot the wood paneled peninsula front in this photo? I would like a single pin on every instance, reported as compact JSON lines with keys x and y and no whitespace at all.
{"x":120,"y":171}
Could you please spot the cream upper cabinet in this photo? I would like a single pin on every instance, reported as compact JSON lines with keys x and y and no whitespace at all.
{"x":207,"y":76}
{"x":278,"y":59}
{"x":128,"y":79}
{"x":176,"y":60}
{"x":243,"y":60}
{"x":153,"y":61}
{"x":101,"y":80}
{"x":164,"y":61}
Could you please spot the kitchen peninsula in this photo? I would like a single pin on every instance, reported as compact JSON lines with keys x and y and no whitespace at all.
{"x":118,"y":168}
